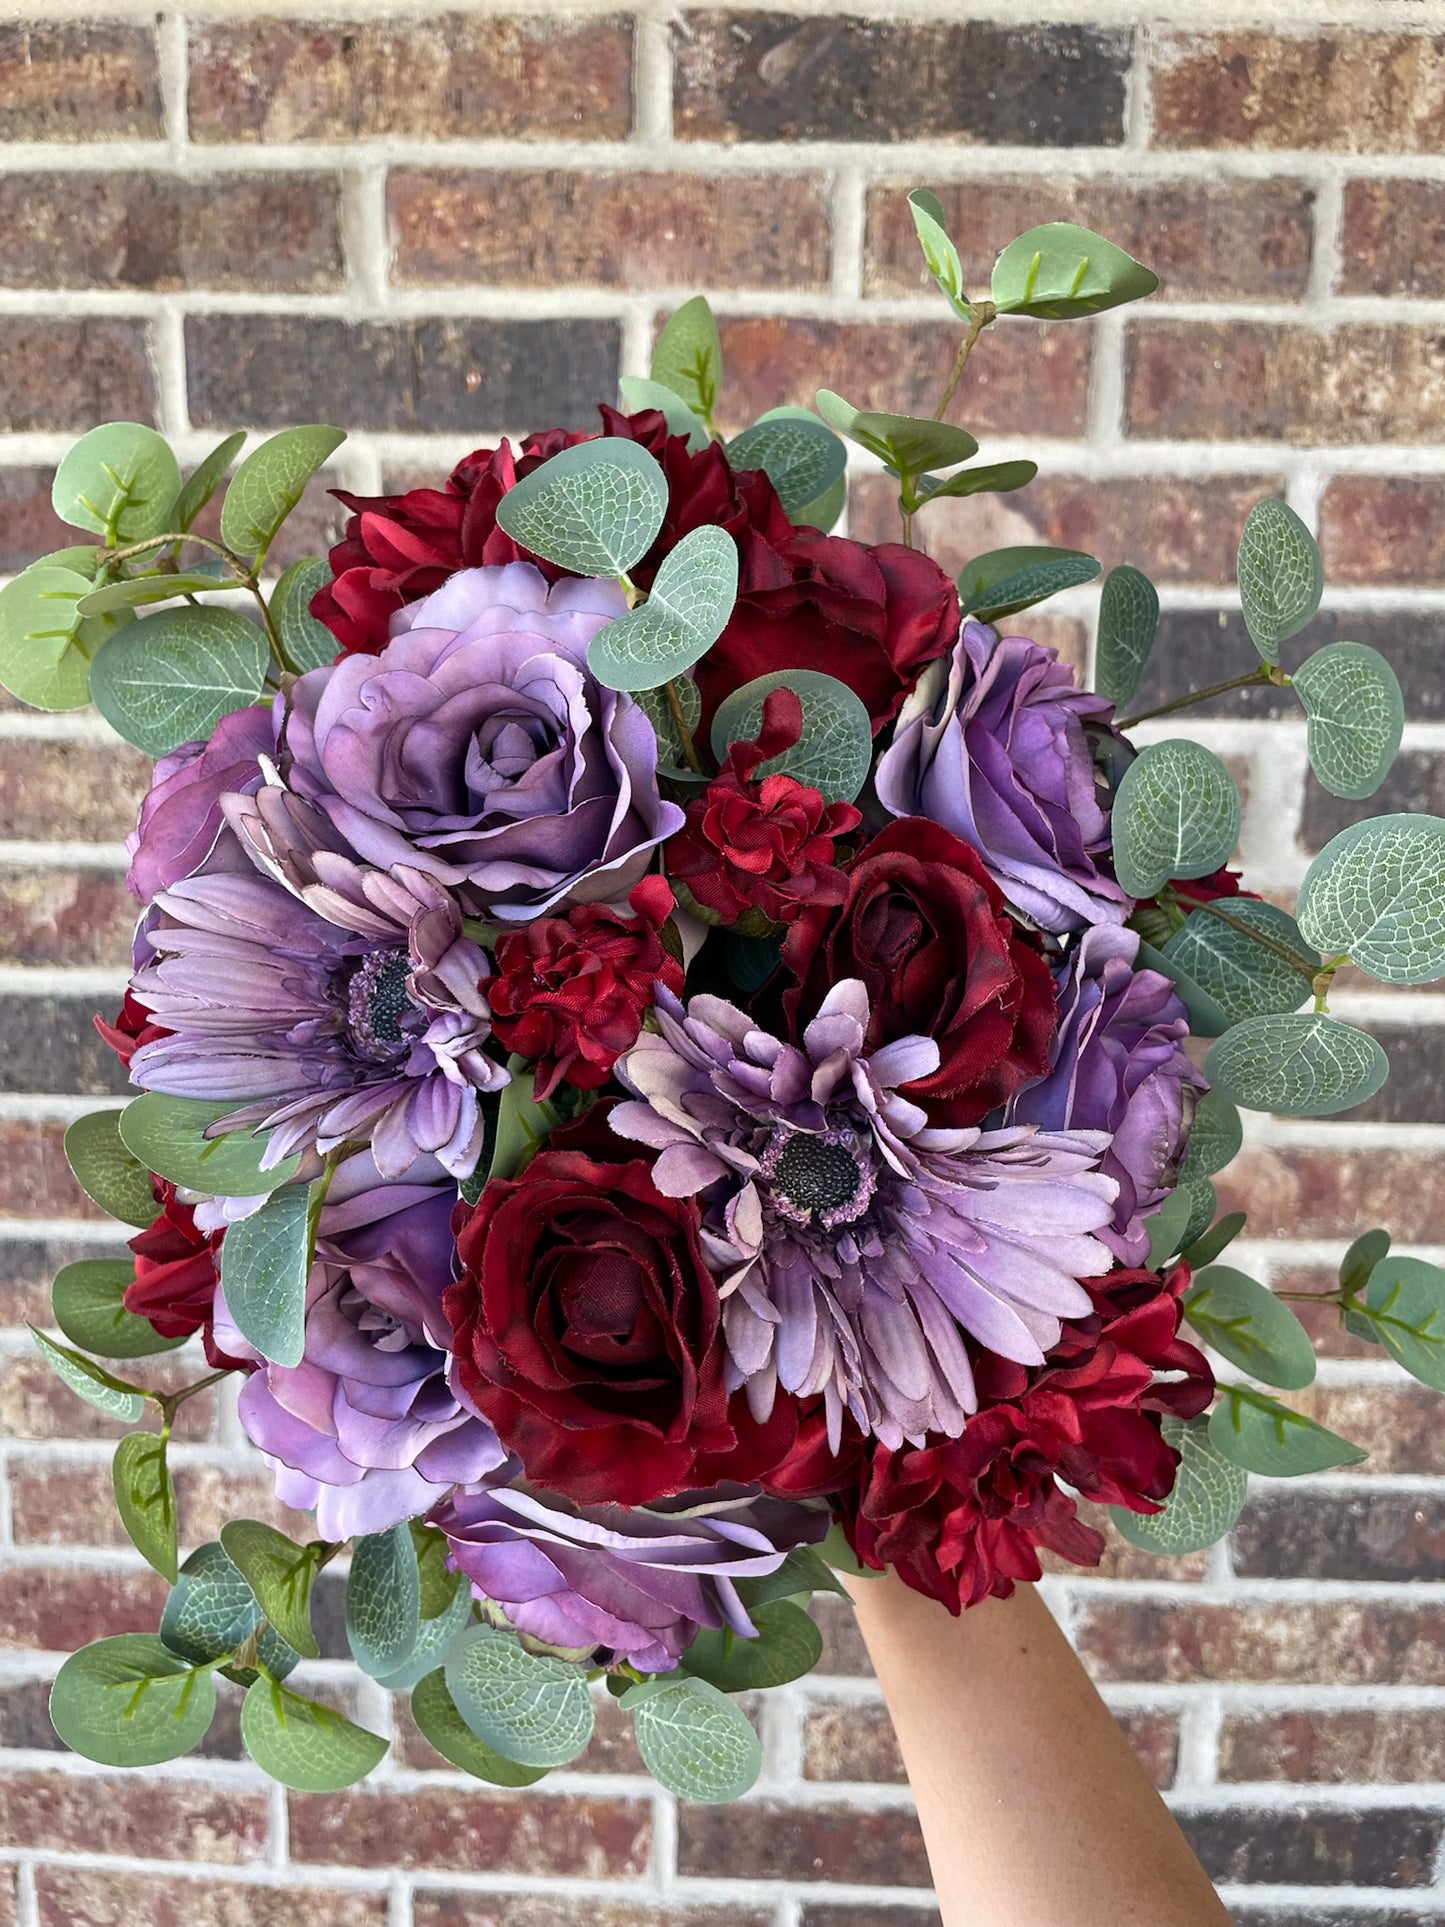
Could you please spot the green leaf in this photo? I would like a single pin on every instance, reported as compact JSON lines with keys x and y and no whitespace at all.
{"x":801,"y":458}
{"x":434,"y":1640}
{"x":1361,"y":1258}
{"x":205,"y":479}
{"x":107,"y":1172}
{"x":1218,"y":1238}
{"x":523,"y":1124}
{"x":836,"y":747}
{"x":532,"y":1708}
{"x":280,"y":1573}
{"x":145,"y":1496}
{"x":439,"y":1721}
{"x":1203,"y":1202}
{"x":120,"y":480}
{"x":1281,"y":577}
{"x":696,"y":1741}
{"x":170,"y":680}
{"x":303,"y":1744}
{"x":1356,"y":716}
{"x":135,"y":591}
{"x":211,"y":1611}
{"x":1305,"y":1066}
{"x":43,"y":657}
{"x":996,"y":478}
{"x":309,"y":644}
{"x":167,"y":1135}
{"x":1250,"y":1327}
{"x":1206,"y":1019}
{"x":1215,"y":1136}
{"x":1176,"y":814}
{"x":438,"y":1583}
{"x":671,"y":761}
{"x":1404,"y":1306}
{"x":908,"y":444}
{"x":130,"y":1702}
{"x":269,"y":484}
{"x":1004,"y":581}
{"x":1377,"y":893}
{"x":1059,"y":272}
{"x":87,"y":1300}
{"x":1167,"y":1227}
{"x":939,"y":252}
{"x":1128,"y":624}
{"x":1254,"y":1431}
{"x":383,"y":1601}
{"x":265,"y":1262}
{"x":688,"y":356}
{"x":836,"y":1552}
{"x":596,"y":508}
{"x":804,"y":1571}
{"x":686,"y":611}
{"x":1241,"y":976}
{"x":638,"y":393}
{"x":82,"y":559}
{"x":787,"y":1646}
{"x":116,"y":1397}
{"x":1208,"y":1496}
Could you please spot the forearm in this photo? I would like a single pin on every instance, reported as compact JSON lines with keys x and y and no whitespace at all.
{"x":1033,"y":1806}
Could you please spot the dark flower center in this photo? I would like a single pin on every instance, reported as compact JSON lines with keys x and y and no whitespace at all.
{"x":377,"y":1001}
{"x":817,"y":1178}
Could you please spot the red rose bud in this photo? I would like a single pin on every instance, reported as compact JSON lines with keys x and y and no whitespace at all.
{"x":176,"y":1275}
{"x":570,"y":991}
{"x":762,"y":846}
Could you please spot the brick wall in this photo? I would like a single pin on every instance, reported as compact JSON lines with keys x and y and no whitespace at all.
{"x":437,"y":227}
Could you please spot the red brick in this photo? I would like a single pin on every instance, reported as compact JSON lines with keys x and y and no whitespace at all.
{"x":70,"y":790}
{"x":29,"y":527}
{"x":9,"y":1897}
{"x":559,"y":228}
{"x":274,"y":232}
{"x":1394,"y":238}
{"x":1015,"y":382}
{"x":1301,"y":1642}
{"x":613,"y":1748}
{"x":1384,"y":529}
{"x":1321,"y":1321}
{"x":843,"y":1648}
{"x":455,"y":76}
{"x":62,"y":375}
{"x":765,"y":1840}
{"x":27,"y":1266}
{"x":495,"y":1910}
{"x":526,"y":1833}
{"x":1206,"y":240}
{"x":1175,"y":528}
{"x":36,"y":1404}
{"x":1335,"y":1747}
{"x":1352,"y":91}
{"x":155,"y":1818}
{"x":1398,"y":1421}
{"x":59,"y":1504}
{"x":35,"y":1180}
{"x":826,"y":1915}
{"x":76,"y":917}
{"x":85,"y":1897}
{"x":1323,"y":1846}
{"x":1319,"y":1193}
{"x":79,"y":80}
{"x":1247,"y":381}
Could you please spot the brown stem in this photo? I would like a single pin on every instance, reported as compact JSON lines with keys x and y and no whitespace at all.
{"x":983,"y":316}
{"x":1246,"y":681}
{"x":679,"y":723}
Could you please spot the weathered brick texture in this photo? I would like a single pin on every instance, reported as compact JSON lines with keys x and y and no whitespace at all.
{"x":440,"y":226}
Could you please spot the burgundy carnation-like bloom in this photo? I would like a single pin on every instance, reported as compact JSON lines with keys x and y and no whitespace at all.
{"x":964,"y":1518}
{"x":571,"y":991}
{"x":176,"y":1275}
{"x":763,"y":846}
{"x":923,"y":925}
{"x":588,"y":1330}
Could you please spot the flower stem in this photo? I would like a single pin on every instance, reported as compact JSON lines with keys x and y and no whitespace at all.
{"x":983,"y":316}
{"x":679,"y":723}
{"x":245,"y":578}
{"x":1248,"y":680}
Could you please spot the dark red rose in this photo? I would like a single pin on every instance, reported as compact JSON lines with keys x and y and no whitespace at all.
{"x":176,"y":1275}
{"x":812,"y":1469}
{"x":570,"y":991}
{"x":964,"y":1518}
{"x":762,"y":846}
{"x":924,"y":926}
{"x":1219,"y":883}
{"x":588,"y":1331}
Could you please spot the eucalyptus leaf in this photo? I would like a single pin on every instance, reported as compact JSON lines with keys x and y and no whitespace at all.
{"x":129,"y":1701}
{"x":1243,"y":977}
{"x":696,"y":1741}
{"x":1356,"y":714}
{"x":121,"y":480}
{"x":529,"y":1707}
{"x":939,"y":252}
{"x":438,"y":1583}
{"x":1207,"y":1499}
{"x":1167,"y":1226}
{"x":137,"y":591}
{"x":803,"y":1572}
{"x":1249,"y":1326}
{"x":1216,"y":1239}
{"x":1176,"y":814}
{"x":996,"y":478}
{"x":1281,"y":577}
{"x":309,"y":644}
{"x":1206,"y":1019}
{"x":1128,"y":624}
{"x":800,"y":457}
{"x":1361,"y":1258}
{"x":170,"y":680}
{"x":145,"y":1497}
{"x":116,"y":1397}
{"x":270,"y":482}
{"x":439,"y":1722}
{"x":638,"y":394}
{"x":595,"y":508}
{"x":1308,"y":1065}
{"x":205,"y":479}
{"x":686,"y":611}
{"x":107,"y":1172}
{"x":303,"y":1744}
{"x":265,"y":1263}
{"x":434,"y":1639}
{"x":688,"y":357}
{"x":671,"y":759}
{"x":908,"y":444}
{"x":43,"y":655}
{"x":87,"y":1300}
{"x":1203,"y":1202}
{"x":1376,"y":892}
{"x":383,"y":1601}
{"x":167,"y":1135}
{"x":1256,"y":1432}
{"x":212,"y":1610}
{"x":823,"y":514}
{"x":1059,"y":272}
{"x":1404,"y":1306}
{"x":788,"y":1645}
{"x":1215,"y":1136}
{"x":280,"y":1573}
{"x":1004,"y":581}
{"x":836,"y":747}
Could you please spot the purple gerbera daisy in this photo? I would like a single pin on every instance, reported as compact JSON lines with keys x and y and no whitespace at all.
{"x":856,"y":1244}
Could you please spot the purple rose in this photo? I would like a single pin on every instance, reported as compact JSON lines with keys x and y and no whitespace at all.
{"x":638,"y":1582}
{"x":181,"y":815}
{"x":478,"y":748}
{"x":367,"y":1429}
{"x":991,"y":744}
{"x":1119,"y":1065}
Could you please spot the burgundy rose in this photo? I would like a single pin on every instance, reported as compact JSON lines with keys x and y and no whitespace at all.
{"x":176,"y":1274}
{"x":570,"y":991}
{"x":924,"y":926}
{"x":1219,"y":883}
{"x":762,"y":846}
{"x":588,"y":1331}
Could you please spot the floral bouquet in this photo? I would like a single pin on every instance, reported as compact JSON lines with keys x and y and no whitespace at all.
{"x":665,"y":1043}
